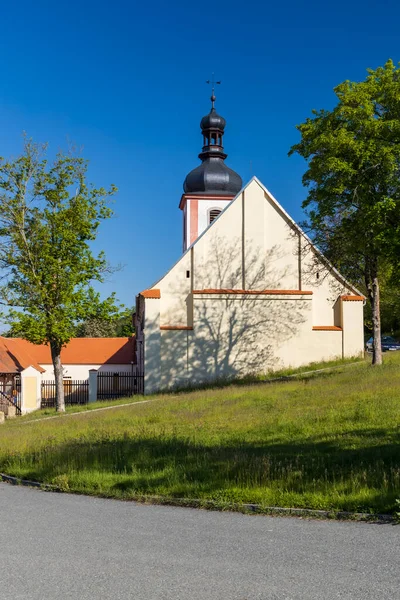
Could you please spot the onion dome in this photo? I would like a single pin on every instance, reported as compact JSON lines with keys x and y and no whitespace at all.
{"x":212,"y":177}
{"x":213,"y":121}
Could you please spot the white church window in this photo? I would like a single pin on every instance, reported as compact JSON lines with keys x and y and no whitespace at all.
{"x":213,"y":214}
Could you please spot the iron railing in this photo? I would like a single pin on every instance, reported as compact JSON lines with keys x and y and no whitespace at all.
{"x":10,"y":394}
{"x":75,"y":392}
{"x":118,"y":385}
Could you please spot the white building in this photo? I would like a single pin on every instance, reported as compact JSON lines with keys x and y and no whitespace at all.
{"x":250,"y":294}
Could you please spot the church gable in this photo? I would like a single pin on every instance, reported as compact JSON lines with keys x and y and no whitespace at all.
{"x":251,"y":292}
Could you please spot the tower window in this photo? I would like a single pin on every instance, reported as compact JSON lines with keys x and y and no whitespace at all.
{"x":213,"y":214}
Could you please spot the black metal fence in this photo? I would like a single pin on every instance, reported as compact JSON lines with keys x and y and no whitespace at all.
{"x":75,"y":392}
{"x":118,"y":385}
{"x":109,"y":386}
{"x":10,"y":393}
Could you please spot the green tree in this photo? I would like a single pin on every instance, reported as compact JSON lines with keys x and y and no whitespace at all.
{"x":49,"y":215}
{"x":353,"y":202}
{"x":390,"y":302}
{"x":119,"y":324}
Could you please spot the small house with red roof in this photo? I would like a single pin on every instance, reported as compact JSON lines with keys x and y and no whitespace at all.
{"x":24,"y":366}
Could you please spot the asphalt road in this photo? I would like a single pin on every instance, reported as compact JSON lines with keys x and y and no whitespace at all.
{"x":59,"y":546}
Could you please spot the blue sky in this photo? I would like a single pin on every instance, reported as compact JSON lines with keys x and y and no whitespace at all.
{"x":126,"y":82}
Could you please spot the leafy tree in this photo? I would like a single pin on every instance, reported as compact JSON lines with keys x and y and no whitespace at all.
{"x":118,"y":325}
{"x":49,"y":215}
{"x":353,"y":202}
{"x":390,"y":302}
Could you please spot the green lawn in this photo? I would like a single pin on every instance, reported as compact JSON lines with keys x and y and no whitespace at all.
{"x":329,"y":442}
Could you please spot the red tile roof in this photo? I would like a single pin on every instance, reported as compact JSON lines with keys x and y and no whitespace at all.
{"x":176,"y":328}
{"x":81,"y":351}
{"x":14,"y":358}
{"x":353,"y":298}
{"x":155,"y":294}
{"x":256,"y":292}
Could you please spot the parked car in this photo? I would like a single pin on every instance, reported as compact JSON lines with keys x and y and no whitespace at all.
{"x":387,"y":343}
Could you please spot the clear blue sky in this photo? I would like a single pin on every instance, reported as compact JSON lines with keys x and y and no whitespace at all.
{"x":126,"y":81}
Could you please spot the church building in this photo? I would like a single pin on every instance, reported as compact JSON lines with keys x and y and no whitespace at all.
{"x":250,"y":293}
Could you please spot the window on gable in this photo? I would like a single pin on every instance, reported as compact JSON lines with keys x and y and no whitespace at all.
{"x":213,"y":214}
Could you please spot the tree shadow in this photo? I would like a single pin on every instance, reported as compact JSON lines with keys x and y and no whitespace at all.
{"x":226,"y":335}
{"x":355,"y":479}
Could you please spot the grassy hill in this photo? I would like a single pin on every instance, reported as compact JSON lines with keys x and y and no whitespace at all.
{"x":329,"y":442}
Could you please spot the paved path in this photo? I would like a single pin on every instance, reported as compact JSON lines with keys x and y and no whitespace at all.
{"x":59,"y":546}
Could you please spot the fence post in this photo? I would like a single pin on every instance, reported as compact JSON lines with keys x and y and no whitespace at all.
{"x":92,"y":385}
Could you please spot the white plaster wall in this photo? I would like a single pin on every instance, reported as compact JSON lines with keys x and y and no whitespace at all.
{"x":152,"y":346}
{"x":204,"y":207}
{"x":31,"y":372}
{"x":235,"y":335}
{"x":175,"y":290}
{"x":326,"y":287}
{"x":353,"y":329}
{"x":218,"y":252}
{"x":81,"y":372}
{"x":186,"y":226}
{"x":174,"y":358}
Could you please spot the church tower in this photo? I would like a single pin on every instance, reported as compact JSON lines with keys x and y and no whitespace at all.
{"x":212,"y":185}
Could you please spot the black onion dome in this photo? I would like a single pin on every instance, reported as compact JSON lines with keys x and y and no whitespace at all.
{"x":213,"y":177}
{"x":213,"y":121}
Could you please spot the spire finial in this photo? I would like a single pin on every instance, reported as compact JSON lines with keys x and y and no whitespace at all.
{"x":213,"y":84}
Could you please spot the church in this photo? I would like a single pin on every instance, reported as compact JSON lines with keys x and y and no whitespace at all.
{"x":250,"y":294}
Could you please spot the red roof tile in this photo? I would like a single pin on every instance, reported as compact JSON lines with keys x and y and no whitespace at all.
{"x":353,"y":298}
{"x":176,"y":328}
{"x":256,"y":292}
{"x":80,"y":351}
{"x":14,"y":358}
{"x":154,"y":294}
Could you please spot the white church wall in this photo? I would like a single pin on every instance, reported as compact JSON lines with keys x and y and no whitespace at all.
{"x":218,"y":252}
{"x":326,"y":287}
{"x":204,"y":207}
{"x":353,"y":328}
{"x":253,"y":245}
{"x":235,"y":335}
{"x":175,"y":290}
{"x":175,"y":367}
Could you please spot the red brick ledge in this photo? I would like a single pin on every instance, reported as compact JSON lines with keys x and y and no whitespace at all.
{"x":353,"y":298}
{"x":326,"y":328}
{"x":175,"y":328}
{"x":154,"y":294}
{"x":256,"y":292}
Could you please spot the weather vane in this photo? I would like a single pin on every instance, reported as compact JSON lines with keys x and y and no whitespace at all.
{"x":213,"y":84}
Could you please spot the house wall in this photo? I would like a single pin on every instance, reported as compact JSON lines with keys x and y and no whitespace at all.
{"x":81,"y":372}
{"x":30,"y":390}
{"x":252,"y":246}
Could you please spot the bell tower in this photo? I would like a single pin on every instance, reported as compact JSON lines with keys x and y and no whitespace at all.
{"x":210,"y":186}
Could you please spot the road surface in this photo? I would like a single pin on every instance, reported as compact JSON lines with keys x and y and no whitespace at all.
{"x":61,"y":546}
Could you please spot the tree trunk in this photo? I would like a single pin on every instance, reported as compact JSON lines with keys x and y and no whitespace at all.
{"x":372,"y":285}
{"x":376,"y":323}
{"x":58,"y":376}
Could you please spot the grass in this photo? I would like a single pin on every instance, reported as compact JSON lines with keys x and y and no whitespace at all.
{"x":76,"y":408}
{"x":329,"y":442}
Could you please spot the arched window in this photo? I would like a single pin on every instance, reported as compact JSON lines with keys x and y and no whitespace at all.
{"x":213,"y":214}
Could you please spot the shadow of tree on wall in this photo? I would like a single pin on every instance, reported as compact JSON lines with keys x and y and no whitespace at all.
{"x":316,"y":271}
{"x":233,"y":334}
